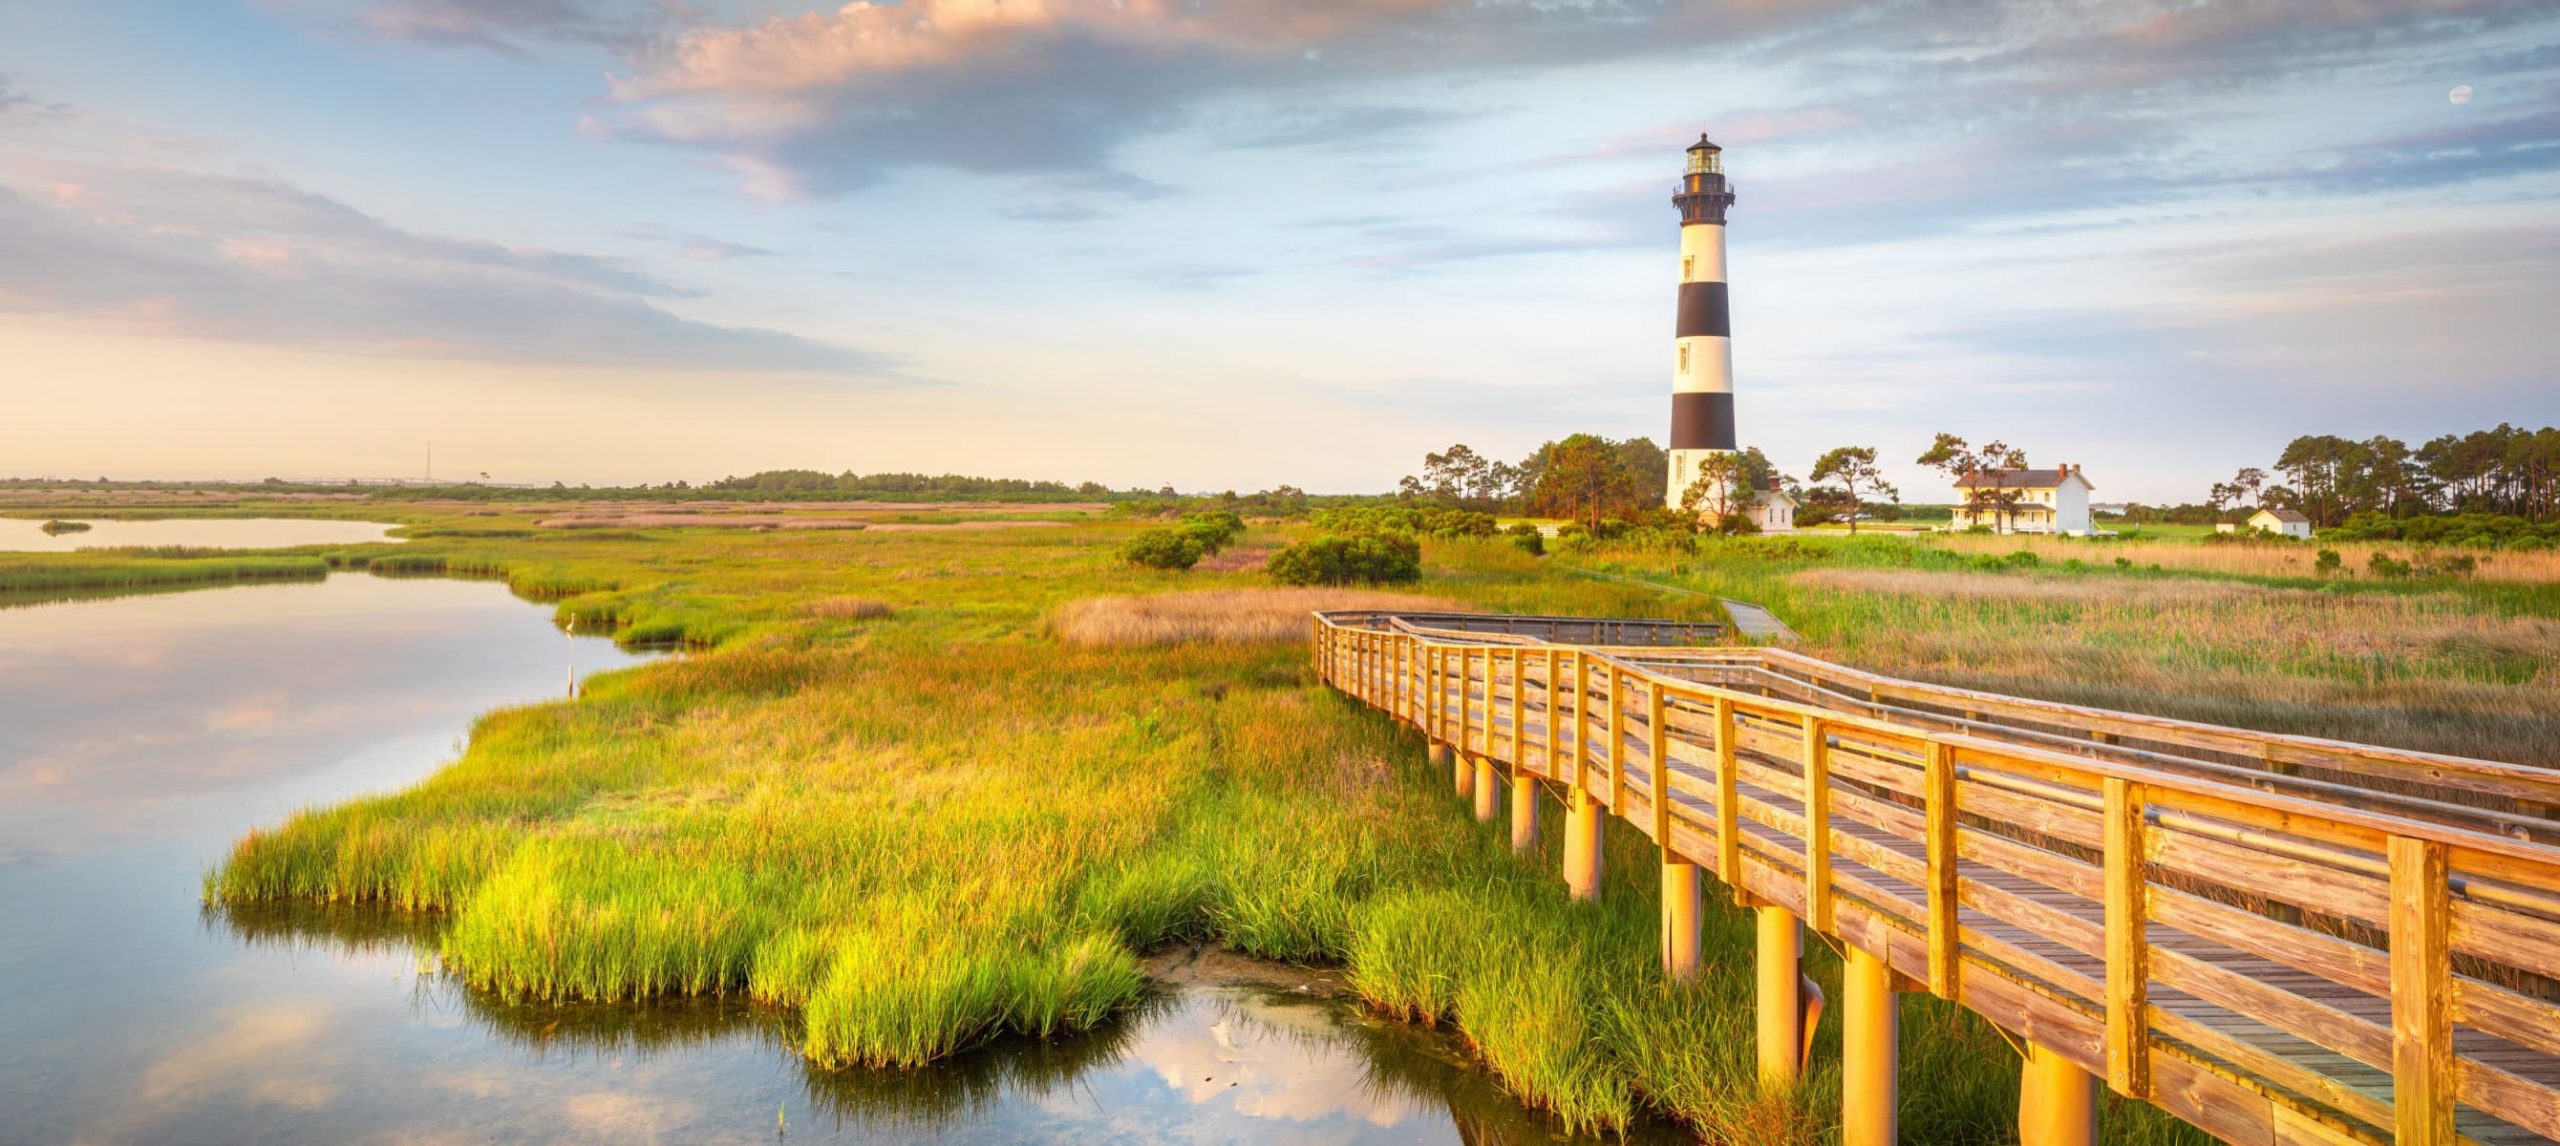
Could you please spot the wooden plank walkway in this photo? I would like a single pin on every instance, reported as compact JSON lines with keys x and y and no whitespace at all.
{"x":2205,"y":917}
{"x":1756,"y":623}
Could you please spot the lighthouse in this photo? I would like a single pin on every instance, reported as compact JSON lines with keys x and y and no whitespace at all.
{"x":1702,"y":379}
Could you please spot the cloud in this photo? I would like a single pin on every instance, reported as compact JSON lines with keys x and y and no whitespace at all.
{"x":1949,"y":114}
{"x":249,"y":260}
{"x":1338,"y":128}
{"x":825,"y":102}
{"x":702,"y":248}
{"x":14,"y":100}
{"x":515,"y":29}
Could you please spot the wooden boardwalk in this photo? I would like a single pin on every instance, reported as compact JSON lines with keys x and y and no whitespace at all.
{"x":1756,"y":623}
{"x":2279,"y":939}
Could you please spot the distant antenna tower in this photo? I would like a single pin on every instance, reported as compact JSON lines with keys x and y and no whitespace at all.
{"x":431,"y":461}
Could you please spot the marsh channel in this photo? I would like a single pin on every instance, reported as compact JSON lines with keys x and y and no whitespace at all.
{"x":140,"y":736}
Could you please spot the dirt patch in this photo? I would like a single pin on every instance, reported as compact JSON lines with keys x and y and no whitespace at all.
{"x":955,"y":526}
{"x":1213,"y":965}
{"x":730,"y":520}
{"x":1236,"y":561}
{"x":1236,"y":616}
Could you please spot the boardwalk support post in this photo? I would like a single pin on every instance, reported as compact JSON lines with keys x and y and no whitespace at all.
{"x":1488,"y":790}
{"x":1465,"y":773}
{"x":1683,"y":893}
{"x":1869,"y":1051}
{"x":2422,"y":1059}
{"x":2057,"y":1101}
{"x":2128,"y":1034}
{"x":1780,"y":1003}
{"x":1442,"y":756}
{"x":1582,"y":846}
{"x":1524,"y":810}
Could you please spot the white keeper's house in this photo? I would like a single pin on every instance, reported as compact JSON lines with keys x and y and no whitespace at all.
{"x":2038,"y":501}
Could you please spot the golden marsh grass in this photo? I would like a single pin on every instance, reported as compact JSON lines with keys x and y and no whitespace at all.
{"x":1226,"y":616}
{"x":2255,"y":559}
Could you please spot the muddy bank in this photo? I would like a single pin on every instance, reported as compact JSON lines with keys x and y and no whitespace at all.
{"x":1214,"y":965}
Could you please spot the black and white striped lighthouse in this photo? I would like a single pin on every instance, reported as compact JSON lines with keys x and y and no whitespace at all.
{"x":1702,"y":382}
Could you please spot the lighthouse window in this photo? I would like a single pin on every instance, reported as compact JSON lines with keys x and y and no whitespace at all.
{"x":1688,"y":267}
{"x":1684,"y":359}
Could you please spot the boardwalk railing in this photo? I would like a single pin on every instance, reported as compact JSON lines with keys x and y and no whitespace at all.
{"x":2276,"y":938}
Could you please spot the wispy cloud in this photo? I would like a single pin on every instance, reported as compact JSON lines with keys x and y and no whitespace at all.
{"x":702,"y":248}
{"x":515,"y":29}
{"x":225,"y":257}
{"x":15,"y":100}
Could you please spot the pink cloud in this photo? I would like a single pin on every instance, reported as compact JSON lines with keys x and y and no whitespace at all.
{"x":870,"y":41}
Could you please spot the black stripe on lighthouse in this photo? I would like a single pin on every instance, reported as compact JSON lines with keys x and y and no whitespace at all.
{"x":1702,"y":421}
{"x":1703,"y":312}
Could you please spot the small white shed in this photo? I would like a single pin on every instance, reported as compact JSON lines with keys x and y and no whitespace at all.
{"x":2282,"y":522}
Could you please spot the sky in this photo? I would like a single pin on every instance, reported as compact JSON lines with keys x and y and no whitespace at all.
{"x":1230,"y":245}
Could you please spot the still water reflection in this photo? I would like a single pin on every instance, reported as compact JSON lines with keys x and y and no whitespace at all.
{"x":18,"y":535}
{"x":139,"y":736}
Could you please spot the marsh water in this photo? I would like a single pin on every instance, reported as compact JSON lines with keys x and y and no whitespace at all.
{"x":140,"y":736}
{"x":19,"y":535}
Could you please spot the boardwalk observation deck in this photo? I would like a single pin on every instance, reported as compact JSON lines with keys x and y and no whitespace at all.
{"x":2276,"y":938}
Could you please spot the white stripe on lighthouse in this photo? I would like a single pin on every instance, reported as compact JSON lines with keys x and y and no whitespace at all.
{"x":1703,"y":363}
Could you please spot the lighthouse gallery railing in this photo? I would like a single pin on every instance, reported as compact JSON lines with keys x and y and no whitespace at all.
{"x":2275,"y":938}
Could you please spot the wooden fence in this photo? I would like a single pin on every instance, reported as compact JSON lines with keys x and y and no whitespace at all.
{"x":2276,"y":938}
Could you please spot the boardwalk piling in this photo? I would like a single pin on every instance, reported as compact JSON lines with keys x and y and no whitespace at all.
{"x":1781,"y":998}
{"x":1869,"y":1051}
{"x":1524,"y":811}
{"x":1582,"y":845}
{"x":2057,"y":1101}
{"x":1682,"y":894}
{"x":1488,"y":790}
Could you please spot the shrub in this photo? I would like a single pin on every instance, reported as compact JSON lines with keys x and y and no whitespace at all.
{"x":2327,"y":563}
{"x":2385,"y":565}
{"x":1527,"y":539}
{"x":1368,"y":558}
{"x":1438,"y":524}
{"x":1170,"y":548}
{"x":1213,"y":529}
{"x":1658,"y":539}
{"x":2445,"y":565}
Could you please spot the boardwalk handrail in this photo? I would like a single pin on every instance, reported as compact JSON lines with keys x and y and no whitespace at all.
{"x":2276,"y":938}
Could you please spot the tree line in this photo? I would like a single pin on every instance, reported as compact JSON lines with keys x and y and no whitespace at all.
{"x":1601,"y":484}
{"x":2506,"y":472}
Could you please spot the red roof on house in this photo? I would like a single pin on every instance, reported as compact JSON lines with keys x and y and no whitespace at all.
{"x":2021,"y":479}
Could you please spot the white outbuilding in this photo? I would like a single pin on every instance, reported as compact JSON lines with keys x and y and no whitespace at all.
{"x":2282,"y":522}
{"x":1773,"y":511}
{"x":2024,"y":501}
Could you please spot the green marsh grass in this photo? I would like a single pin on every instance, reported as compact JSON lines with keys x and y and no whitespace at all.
{"x":28,"y":576}
{"x":922,"y":830}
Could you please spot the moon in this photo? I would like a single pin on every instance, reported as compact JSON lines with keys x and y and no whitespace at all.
{"x":2460,"y":95}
